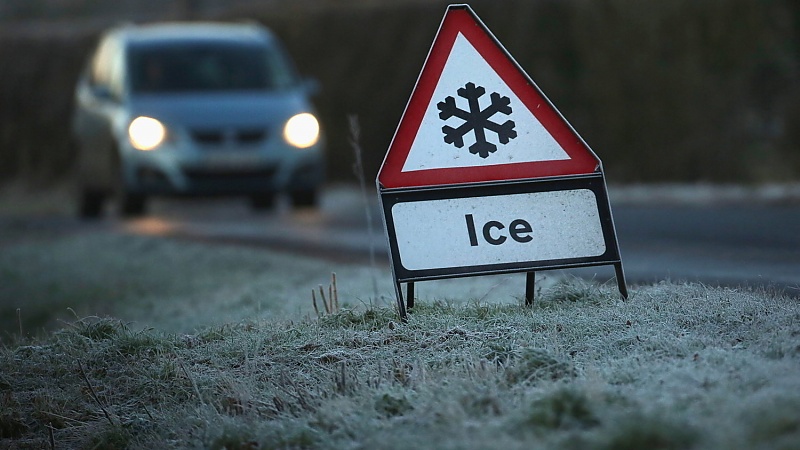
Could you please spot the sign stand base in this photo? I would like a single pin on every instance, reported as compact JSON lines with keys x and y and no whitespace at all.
{"x":405,"y":306}
{"x":401,"y":304}
{"x":530,"y":282}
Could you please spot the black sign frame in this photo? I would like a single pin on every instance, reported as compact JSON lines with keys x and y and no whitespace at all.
{"x":594,"y":182}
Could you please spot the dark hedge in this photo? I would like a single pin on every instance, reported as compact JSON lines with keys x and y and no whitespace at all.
{"x":685,"y":90}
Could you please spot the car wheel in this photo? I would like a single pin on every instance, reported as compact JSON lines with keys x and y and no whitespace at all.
{"x":261,"y":202}
{"x":132,"y":205}
{"x":306,"y":199}
{"x":90,"y":204}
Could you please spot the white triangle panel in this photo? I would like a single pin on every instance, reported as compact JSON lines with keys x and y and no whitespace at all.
{"x":429,"y":150}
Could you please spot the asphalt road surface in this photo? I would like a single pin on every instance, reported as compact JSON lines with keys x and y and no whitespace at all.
{"x":728,"y":244}
{"x":740,"y":242}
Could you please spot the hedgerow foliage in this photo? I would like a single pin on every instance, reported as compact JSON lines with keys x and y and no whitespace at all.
{"x":682,"y":90}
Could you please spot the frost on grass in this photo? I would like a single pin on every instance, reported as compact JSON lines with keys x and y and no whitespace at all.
{"x":674,"y":367}
{"x":173,"y":285}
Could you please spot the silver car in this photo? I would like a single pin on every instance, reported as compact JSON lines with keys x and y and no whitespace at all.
{"x":195,"y":109}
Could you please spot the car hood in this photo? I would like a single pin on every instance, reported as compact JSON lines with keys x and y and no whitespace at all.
{"x":219,"y":110}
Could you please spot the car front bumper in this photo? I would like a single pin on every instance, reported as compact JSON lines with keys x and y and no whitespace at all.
{"x":174,"y":169}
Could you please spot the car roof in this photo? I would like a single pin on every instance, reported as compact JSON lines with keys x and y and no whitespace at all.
{"x":165,"y":32}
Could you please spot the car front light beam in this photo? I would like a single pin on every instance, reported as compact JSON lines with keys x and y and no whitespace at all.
{"x":302,"y":130}
{"x":146,"y":133}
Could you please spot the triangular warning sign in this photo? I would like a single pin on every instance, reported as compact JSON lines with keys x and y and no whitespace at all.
{"x":475,"y":116}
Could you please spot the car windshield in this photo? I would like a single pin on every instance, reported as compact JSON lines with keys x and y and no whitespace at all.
{"x":207,"y":66}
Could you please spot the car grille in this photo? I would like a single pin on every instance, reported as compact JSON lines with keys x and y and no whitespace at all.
{"x":229,"y":137}
{"x":215,"y":174}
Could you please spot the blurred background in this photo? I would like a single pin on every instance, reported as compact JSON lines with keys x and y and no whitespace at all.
{"x":663,"y":91}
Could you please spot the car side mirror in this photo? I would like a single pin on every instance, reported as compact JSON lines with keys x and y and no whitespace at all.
{"x":102,"y":93}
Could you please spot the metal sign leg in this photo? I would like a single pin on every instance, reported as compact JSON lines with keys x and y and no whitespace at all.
{"x":410,"y":295}
{"x":623,"y":287}
{"x":401,"y":304}
{"x":530,"y":282}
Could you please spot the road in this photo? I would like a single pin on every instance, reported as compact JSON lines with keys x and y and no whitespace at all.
{"x":739,"y":242}
{"x":728,"y":244}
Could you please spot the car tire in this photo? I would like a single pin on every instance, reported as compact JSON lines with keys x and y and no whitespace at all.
{"x":262,"y":202}
{"x":129,"y":204}
{"x":304,"y":199}
{"x":132,"y":205}
{"x":90,"y":204}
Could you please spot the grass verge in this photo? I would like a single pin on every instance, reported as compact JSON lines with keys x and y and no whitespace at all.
{"x":56,"y":272}
{"x":674,"y":367}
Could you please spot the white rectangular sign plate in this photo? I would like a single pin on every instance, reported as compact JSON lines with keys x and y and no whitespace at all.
{"x":507,"y":227}
{"x":502,"y":229}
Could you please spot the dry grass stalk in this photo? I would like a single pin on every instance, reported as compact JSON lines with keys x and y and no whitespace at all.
{"x":19,"y":321}
{"x":51,"y":439}
{"x":358,"y":169}
{"x":335,"y":295}
{"x":331,"y":302}
{"x":324,"y":301}
{"x":342,"y":381}
{"x":314,"y":302}
{"x":191,"y":380}
{"x":94,"y":394}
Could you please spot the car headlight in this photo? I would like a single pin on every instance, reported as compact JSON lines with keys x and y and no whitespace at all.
{"x":146,"y":133}
{"x":302,"y":130}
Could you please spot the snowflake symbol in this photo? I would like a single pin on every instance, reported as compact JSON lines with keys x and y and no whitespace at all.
{"x":477,"y":120}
